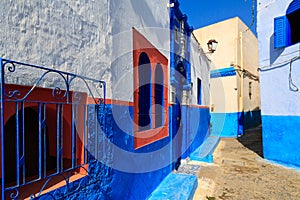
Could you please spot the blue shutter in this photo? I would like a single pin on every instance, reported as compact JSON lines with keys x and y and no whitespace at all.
{"x":282,"y":32}
{"x":294,"y":6}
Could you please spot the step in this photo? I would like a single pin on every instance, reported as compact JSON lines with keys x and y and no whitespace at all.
{"x":175,"y":187}
{"x":204,"y":153}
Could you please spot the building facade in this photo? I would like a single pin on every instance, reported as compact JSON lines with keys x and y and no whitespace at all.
{"x":234,"y":82}
{"x":106,"y":111}
{"x":278,"y":36}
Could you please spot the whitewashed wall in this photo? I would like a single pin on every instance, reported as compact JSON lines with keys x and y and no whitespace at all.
{"x":276,"y":96}
{"x":90,"y":38}
{"x":200,"y":68}
{"x":150,"y":18}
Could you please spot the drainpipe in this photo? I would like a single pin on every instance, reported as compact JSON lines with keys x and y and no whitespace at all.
{"x":242,"y":74}
{"x":241,"y":94}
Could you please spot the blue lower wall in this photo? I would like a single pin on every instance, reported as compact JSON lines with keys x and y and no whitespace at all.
{"x":281,"y":138}
{"x":233,"y":124}
{"x":196,"y":123}
{"x":134,"y":180}
{"x":225,"y":124}
{"x":118,"y":173}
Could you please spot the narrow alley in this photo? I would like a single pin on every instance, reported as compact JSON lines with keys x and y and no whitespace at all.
{"x":239,"y":172}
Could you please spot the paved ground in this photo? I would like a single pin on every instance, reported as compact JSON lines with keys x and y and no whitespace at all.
{"x":239,"y":172}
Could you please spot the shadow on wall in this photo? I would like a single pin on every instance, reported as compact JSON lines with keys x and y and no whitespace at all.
{"x":252,"y":139}
{"x":274,"y":53}
{"x":142,"y":9}
{"x":252,"y":119}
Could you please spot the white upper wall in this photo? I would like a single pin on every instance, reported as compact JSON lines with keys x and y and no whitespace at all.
{"x":200,"y":68}
{"x":152,"y":20}
{"x":93,"y":39}
{"x":277,"y":98}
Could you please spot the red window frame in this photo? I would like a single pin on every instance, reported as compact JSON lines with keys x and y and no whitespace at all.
{"x":146,"y":137}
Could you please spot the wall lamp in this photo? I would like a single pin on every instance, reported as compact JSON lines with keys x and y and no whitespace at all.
{"x":212,"y":45}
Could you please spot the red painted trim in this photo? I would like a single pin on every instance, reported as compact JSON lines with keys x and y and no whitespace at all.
{"x":144,"y":138}
{"x":119,"y":102}
{"x":90,"y":100}
{"x":140,"y":45}
{"x":45,"y":95}
{"x":199,"y":106}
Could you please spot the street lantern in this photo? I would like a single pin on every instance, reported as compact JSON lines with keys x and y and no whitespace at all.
{"x":212,"y":45}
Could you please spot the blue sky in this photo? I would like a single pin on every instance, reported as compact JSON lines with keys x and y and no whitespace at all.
{"x":205,"y":12}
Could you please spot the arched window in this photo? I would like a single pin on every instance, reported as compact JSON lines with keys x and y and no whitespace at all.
{"x":150,"y":94}
{"x":159,"y":96}
{"x":144,"y":95}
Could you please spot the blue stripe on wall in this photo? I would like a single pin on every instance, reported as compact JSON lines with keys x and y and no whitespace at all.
{"x":196,"y":130}
{"x":107,"y":182}
{"x":225,"y":124}
{"x":281,"y":138}
{"x":230,"y":71}
{"x":233,"y":124}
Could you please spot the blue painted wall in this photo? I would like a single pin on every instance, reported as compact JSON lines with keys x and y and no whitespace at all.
{"x":233,"y":124}
{"x":196,"y":128}
{"x":225,"y":124}
{"x":279,"y":82}
{"x":281,"y":138}
{"x":106,"y":180}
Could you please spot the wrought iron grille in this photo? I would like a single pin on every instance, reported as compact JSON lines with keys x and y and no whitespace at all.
{"x":45,"y":126}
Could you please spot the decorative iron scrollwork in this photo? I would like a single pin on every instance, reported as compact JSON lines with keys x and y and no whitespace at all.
{"x":62,"y":95}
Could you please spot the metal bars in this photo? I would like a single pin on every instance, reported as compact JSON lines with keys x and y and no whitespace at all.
{"x":47,"y":125}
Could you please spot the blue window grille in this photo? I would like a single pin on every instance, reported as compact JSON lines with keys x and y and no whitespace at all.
{"x":25,"y":140}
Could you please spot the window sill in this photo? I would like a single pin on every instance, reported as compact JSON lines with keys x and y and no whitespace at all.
{"x":143,"y":138}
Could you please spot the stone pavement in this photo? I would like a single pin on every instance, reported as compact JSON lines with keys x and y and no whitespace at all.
{"x":239,"y":172}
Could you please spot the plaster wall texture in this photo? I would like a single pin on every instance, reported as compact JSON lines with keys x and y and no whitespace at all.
{"x":200,"y":68}
{"x":91,"y":38}
{"x":277,"y":98}
{"x":224,"y":94}
{"x":225,"y":91}
{"x":279,"y":82}
{"x":94,"y":39}
{"x":63,"y":35}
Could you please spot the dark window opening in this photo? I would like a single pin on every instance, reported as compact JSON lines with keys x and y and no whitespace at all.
{"x":286,"y":28}
{"x":250,"y":90}
{"x":176,"y":34}
{"x":199,"y":91}
{"x":159,"y":95}
{"x":144,"y":96}
{"x":28,"y":149}
{"x":293,"y":19}
{"x":182,"y":73}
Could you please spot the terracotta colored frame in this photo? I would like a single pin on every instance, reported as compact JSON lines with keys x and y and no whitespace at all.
{"x":140,"y":45}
